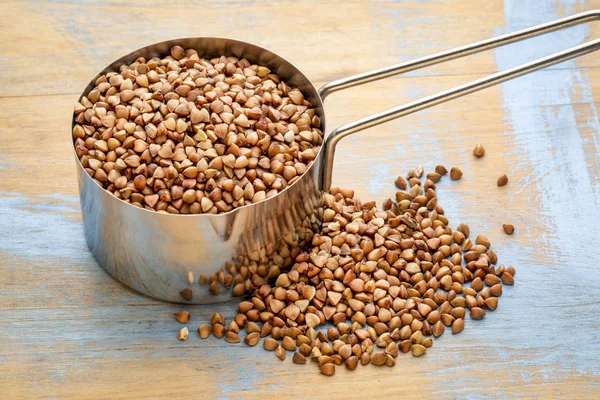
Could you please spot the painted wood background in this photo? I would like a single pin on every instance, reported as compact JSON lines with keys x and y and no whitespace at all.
{"x":68,"y":330}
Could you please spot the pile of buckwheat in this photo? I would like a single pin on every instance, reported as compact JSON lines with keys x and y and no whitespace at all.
{"x":375,"y":283}
{"x":183,"y":134}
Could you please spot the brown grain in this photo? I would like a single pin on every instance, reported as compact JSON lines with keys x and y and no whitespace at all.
{"x":503,"y":180}
{"x":455,"y":173}
{"x":440,"y":169}
{"x":204,"y":331}
{"x":479,"y":151}
{"x":182,"y":316}
{"x":327,"y":369}
{"x":508,"y":229}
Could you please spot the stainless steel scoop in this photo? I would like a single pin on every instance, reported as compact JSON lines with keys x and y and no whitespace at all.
{"x":203,"y":258}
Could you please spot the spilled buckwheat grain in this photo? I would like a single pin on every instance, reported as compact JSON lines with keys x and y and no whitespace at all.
{"x":375,"y":283}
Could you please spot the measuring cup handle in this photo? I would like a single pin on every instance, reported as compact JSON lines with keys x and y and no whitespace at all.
{"x":335,"y":136}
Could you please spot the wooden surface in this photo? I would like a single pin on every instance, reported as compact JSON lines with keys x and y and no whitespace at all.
{"x":68,"y":330}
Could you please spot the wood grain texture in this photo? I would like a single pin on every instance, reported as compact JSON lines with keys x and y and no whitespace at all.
{"x":69,"y":331}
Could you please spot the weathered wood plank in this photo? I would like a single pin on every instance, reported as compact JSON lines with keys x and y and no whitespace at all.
{"x":70,"y":331}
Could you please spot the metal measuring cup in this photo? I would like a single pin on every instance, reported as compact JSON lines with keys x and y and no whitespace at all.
{"x":201,"y":258}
